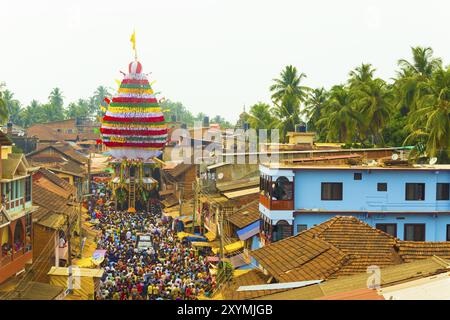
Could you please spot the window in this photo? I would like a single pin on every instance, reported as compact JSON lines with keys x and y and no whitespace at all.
{"x":282,"y":189}
{"x":389,"y":228}
{"x":443,"y":191}
{"x":357,"y":176}
{"x":301,"y":227}
{"x":281,"y":230}
{"x":415,"y":191}
{"x":27,"y":189}
{"x":331,"y":191}
{"x":381,"y":186}
{"x":448,"y":232}
{"x":414,"y":232}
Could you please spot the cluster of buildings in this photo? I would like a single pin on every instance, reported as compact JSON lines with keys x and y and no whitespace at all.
{"x":318,"y":214}
{"x":45,"y":173}
{"x":319,"y":222}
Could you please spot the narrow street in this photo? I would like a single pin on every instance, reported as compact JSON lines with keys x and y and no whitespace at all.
{"x":168,"y":269}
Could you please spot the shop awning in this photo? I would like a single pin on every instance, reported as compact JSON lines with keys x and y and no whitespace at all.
{"x":203,"y":244}
{"x":190,"y":236}
{"x":230,"y":248}
{"x":182,"y":235}
{"x":239,"y":260}
{"x":249,"y":231}
{"x":211,"y":236}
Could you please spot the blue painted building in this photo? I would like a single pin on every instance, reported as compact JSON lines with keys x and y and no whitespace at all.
{"x":411,"y":203}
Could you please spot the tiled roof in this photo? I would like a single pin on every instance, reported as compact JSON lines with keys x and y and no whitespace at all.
{"x":51,"y":201}
{"x":63,"y":148}
{"x":48,"y":131}
{"x":346,"y":284}
{"x":57,"y":180}
{"x":339,"y":246}
{"x":416,"y":250}
{"x":246,"y":215}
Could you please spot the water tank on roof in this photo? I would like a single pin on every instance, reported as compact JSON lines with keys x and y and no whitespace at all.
{"x":301,"y":127}
{"x":206,"y":122}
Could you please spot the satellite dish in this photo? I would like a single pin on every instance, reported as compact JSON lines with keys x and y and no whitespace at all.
{"x":433,"y":160}
{"x":394,"y":157}
{"x":220,"y":176}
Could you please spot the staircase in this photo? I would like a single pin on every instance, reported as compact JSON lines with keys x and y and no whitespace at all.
{"x":132,"y":194}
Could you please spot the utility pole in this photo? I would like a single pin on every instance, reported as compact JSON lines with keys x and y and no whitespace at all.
{"x":89,"y":172}
{"x":220,"y":229}
{"x":69,"y":241}
{"x":194,"y":213}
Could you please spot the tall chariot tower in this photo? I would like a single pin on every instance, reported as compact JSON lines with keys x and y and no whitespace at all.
{"x":135,"y":133}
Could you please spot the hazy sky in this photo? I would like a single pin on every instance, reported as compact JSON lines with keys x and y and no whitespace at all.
{"x":214,"y":56}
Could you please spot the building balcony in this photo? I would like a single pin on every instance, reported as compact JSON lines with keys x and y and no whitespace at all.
{"x":272,"y":204}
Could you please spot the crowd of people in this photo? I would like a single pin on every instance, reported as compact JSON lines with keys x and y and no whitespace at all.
{"x":169,"y":268}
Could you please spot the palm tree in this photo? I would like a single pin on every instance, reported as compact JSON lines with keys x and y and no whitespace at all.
{"x":3,"y":107}
{"x":98,"y":99}
{"x":361,"y":74}
{"x":13,"y":106}
{"x":287,"y":95}
{"x":339,"y":119}
{"x":373,"y":99}
{"x":260,"y":116}
{"x":423,"y":62}
{"x":32,"y":114}
{"x":289,"y":84}
{"x":411,"y":75}
{"x":431,"y":120}
{"x":56,"y":98}
{"x":314,"y":106}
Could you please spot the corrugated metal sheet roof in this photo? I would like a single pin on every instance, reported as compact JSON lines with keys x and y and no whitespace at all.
{"x":277,"y":286}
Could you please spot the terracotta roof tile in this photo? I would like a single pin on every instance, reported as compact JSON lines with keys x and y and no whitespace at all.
{"x":339,"y":246}
{"x":246,"y":215}
{"x":416,"y":250}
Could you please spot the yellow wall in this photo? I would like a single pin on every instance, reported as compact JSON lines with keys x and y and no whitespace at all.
{"x":5,"y":151}
{"x":65,"y":177}
{"x":5,"y":235}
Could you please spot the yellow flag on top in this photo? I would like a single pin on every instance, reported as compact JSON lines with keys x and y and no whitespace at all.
{"x":133,"y":40}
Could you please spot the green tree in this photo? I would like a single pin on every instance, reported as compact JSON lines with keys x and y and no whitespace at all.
{"x":373,"y":100}
{"x":3,"y":106}
{"x":13,"y":106}
{"x":287,"y":95}
{"x":54,"y":110}
{"x":97,"y":100}
{"x":78,"y":109}
{"x":340,"y":120}
{"x":431,"y":119}
{"x":314,"y":107}
{"x":260,"y":116}
{"x":32,"y":114}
